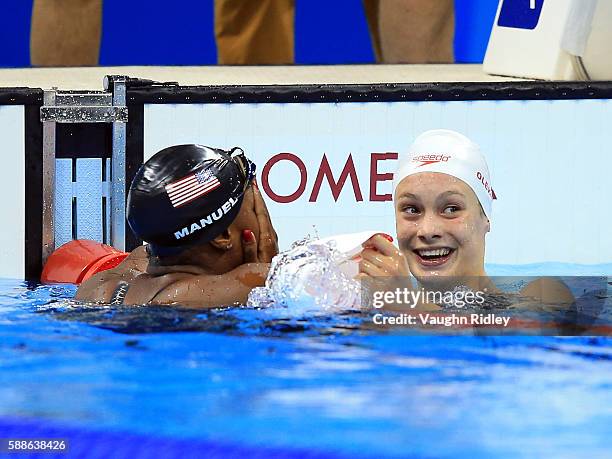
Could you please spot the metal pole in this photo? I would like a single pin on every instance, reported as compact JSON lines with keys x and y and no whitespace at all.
{"x":118,"y":169}
{"x":48,"y":230}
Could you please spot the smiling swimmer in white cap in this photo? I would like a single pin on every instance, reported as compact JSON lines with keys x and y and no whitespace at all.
{"x":443,"y":198}
{"x":443,"y":202}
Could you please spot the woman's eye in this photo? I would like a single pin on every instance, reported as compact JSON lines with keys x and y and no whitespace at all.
{"x":451,"y":209}
{"x":410,"y":210}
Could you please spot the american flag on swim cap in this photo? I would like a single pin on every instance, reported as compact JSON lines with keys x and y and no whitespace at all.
{"x":193,"y":186}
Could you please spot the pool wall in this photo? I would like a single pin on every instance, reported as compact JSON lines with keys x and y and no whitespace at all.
{"x":325,"y":155}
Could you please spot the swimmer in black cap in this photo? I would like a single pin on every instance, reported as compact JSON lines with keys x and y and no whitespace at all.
{"x":209,"y":234}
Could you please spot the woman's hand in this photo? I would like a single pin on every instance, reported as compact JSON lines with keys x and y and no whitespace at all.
{"x":264,"y":249}
{"x":381,"y":258}
{"x":383,"y":268}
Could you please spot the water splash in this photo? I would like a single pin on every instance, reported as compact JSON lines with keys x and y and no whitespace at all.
{"x":307,"y":278}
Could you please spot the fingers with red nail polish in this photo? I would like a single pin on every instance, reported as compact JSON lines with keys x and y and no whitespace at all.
{"x":249,"y":246}
{"x":381,"y":258}
{"x":248,"y":236}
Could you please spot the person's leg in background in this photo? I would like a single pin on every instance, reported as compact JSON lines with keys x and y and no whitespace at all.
{"x":371,"y":12}
{"x":411,"y":31}
{"x":65,"y":32}
{"x":254,"y":32}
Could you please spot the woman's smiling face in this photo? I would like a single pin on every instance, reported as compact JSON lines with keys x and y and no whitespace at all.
{"x":440,"y":225}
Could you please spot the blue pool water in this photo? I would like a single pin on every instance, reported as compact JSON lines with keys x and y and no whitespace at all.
{"x":299,"y":386}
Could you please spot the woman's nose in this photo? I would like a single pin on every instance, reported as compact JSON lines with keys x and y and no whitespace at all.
{"x":429,"y":229}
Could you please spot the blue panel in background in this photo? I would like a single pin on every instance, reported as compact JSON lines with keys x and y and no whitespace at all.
{"x":332,"y":32}
{"x":150,"y":32}
{"x":337,"y":32}
{"x":62,"y":216}
{"x":89,"y":199}
{"x":520,"y":14}
{"x":15,"y":33}
{"x":144,"y":32}
{"x":107,"y":202}
{"x":473,"y":23}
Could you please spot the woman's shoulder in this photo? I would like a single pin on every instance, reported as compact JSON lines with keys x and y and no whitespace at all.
{"x":137,"y":259}
{"x":548,"y":290}
{"x":100,"y":287}
{"x":209,"y":290}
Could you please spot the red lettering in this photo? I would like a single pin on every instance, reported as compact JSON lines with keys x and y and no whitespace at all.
{"x":336,"y":187}
{"x":266,"y":172}
{"x":486,"y":185}
{"x":375,"y":177}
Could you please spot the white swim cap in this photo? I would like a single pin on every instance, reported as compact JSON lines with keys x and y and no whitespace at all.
{"x":449,"y":152}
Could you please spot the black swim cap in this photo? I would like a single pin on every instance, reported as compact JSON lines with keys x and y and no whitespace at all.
{"x":186,"y":195}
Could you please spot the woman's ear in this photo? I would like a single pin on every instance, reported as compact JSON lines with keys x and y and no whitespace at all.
{"x":223,"y":241}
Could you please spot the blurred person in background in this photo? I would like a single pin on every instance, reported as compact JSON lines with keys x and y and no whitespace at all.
{"x":411,"y":31}
{"x":68,"y":32}
{"x":65,"y":32}
{"x":402,"y":31}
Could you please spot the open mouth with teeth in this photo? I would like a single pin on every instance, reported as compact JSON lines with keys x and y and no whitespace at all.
{"x":434,"y":257}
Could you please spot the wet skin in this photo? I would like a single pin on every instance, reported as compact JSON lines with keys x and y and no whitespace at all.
{"x":438,"y":212}
{"x":219,"y":273}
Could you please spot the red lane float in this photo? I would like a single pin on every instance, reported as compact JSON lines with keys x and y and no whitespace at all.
{"x":78,"y":260}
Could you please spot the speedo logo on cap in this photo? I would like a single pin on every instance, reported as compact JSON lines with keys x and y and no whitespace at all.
{"x":430,"y":159}
{"x":208,"y":220}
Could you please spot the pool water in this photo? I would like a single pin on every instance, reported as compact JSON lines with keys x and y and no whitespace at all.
{"x":323,"y":384}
